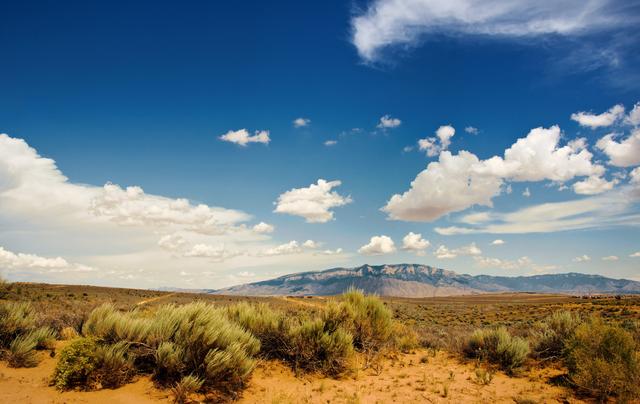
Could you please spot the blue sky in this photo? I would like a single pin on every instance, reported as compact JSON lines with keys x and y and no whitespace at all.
{"x":140,"y":95}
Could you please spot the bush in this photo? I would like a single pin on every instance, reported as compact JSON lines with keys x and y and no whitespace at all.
{"x":497,"y":346}
{"x":76,"y":365}
{"x":269,"y":326}
{"x":316,"y":348}
{"x":186,"y":386}
{"x":15,"y":319}
{"x":194,"y":339}
{"x":405,"y":339}
{"x":22,"y":352}
{"x":366,"y":317}
{"x":551,"y":335}
{"x":603,"y":361}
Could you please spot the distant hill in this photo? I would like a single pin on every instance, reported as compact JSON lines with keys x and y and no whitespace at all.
{"x":409,"y":280}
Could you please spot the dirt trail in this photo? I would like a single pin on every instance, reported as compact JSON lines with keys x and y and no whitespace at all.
{"x":154,"y":299}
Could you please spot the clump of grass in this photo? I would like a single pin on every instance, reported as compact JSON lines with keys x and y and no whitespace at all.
{"x":314,"y":347}
{"x":22,"y":352}
{"x":366,"y":317}
{"x":404,"y":339}
{"x":483,"y":376}
{"x":603,"y":361}
{"x":551,"y":334}
{"x":268,"y":325}
{"x":186,"y":386}
{"x":15,"y":319}
{"x":114,"y":365}
{"x":497,"y":346}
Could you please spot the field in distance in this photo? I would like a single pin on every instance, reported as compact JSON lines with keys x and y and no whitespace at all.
{"x":433,"y":353}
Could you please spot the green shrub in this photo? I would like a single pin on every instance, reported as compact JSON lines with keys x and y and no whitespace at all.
{"x":405,"y":339}
{"x":15,"y":319}
{"x":269,"y":326}
{"x":114,"y":367}
{"x":497,"y":346}
{"x":22,"y":352}
{"x":76,"y":365}
{"x":313,"y":347}
{"x":44,"y":337}
{"x":551,"y":334}
{"x":603,"y":361}
{"x":366,"y":317}
{"x":109,"y":325}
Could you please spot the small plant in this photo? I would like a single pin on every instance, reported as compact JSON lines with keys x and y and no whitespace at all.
{"x":76,"y":365}
{"x":22,"y":352}
{"x":15,"y":319}
{"x":483,"y":376}
{"x":186,"y":386}
{"x":603,"y":361}
{"x":405,"y":339}
{"x":497,"y":346}
{"x":551,"y":335}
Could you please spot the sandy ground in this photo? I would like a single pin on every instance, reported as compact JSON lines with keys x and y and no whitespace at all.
{"x":420,"y":377}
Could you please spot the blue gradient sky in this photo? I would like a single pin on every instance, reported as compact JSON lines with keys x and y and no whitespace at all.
{"x":138,"y":95}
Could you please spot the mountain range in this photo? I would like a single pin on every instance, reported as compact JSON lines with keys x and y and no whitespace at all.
{"x":411,"y":280}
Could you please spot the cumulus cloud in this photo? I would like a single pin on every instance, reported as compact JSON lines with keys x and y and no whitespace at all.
{"x":457,"y":182}
{"x":330,"y":142}
{"x":604,"y":119}
{"x":301,"y":122}
{"x":242,"y":137}
{"x":337,"y":251}
{"x":292,"y":247}
{"x":471,"y":130}
{"x":624,"y":153}
{"x":172,"y":242}
{"x":610,"y":258}
{"x":405,"y":23}
{"x":593,"y":185}
{"x":633,"y":118}
{"x":216,"y":253}
{"x":31,"y":263}
{"x":434,"y":145}
{"x":388,"y":122}
{"x":378,"y":245}
{"x":582,"y":258}
{"x":442,"y":252}
{"x":497,"y":263}
{"x":263,"y":228}
{"x":497,"y":242}
{"x":313,"y":203}
{"x":415,"y":243}
{"x":635,"y":255}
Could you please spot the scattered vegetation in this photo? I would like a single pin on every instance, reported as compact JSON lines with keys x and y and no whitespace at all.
{"x":551,"y":335}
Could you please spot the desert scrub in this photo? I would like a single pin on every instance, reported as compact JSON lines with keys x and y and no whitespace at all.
{"x":186,"y":386}
{"x":496,"y":345}
{"x":603,"y":361}
{"x":315,"y":347}
{"x":269,"y":326}
{"x":550,"y":335}
{"x":404,"y":339}
{"x":22,"y":352}
{"x":366,"y":317}
{"x":175,"y":341}
{"x":76,"y":365}
{"x":15,"y":319}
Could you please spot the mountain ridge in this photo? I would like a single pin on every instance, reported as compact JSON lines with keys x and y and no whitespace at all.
{"x":416,"y":280}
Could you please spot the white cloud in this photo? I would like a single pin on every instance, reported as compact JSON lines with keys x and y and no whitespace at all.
{"x":442,"y":252}
{"x":526,"y":193}
{"x":604,"y":119}
{"x":241,"y":137}
{"x":20,"y":262}
{"x":633,"y":118}
{"x":635,"y":255}
{"x":415,"y":243}
{"x":263,"y":228}
{"x":593,"y":185}
{"x":457,"y":182}
{"x":625,"y":153}
{"x":314,"y":203}
{"x":405,"y":23}
{"x":331,"y":143}
{"x":217,"y":253}
{"x":292,"y":247}
{"x":337,"y":251}
{"x":498,"y":242}
{"x":489,"y":262}
{"x":407,"y":149}
{"x":582,"y":258}
{"x":388,"y":122}
{"x":301,"y":122}
{"x":471,"y":130}
{"x":311,"y":244}
{"x":610,"y":258}
{"x":447,"y":185}
{"x":378,"y":245}
{"x":172,"y":242}
{"x":434,"y":145}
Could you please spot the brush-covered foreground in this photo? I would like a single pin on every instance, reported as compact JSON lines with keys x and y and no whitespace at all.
{"x":492,"y":348}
